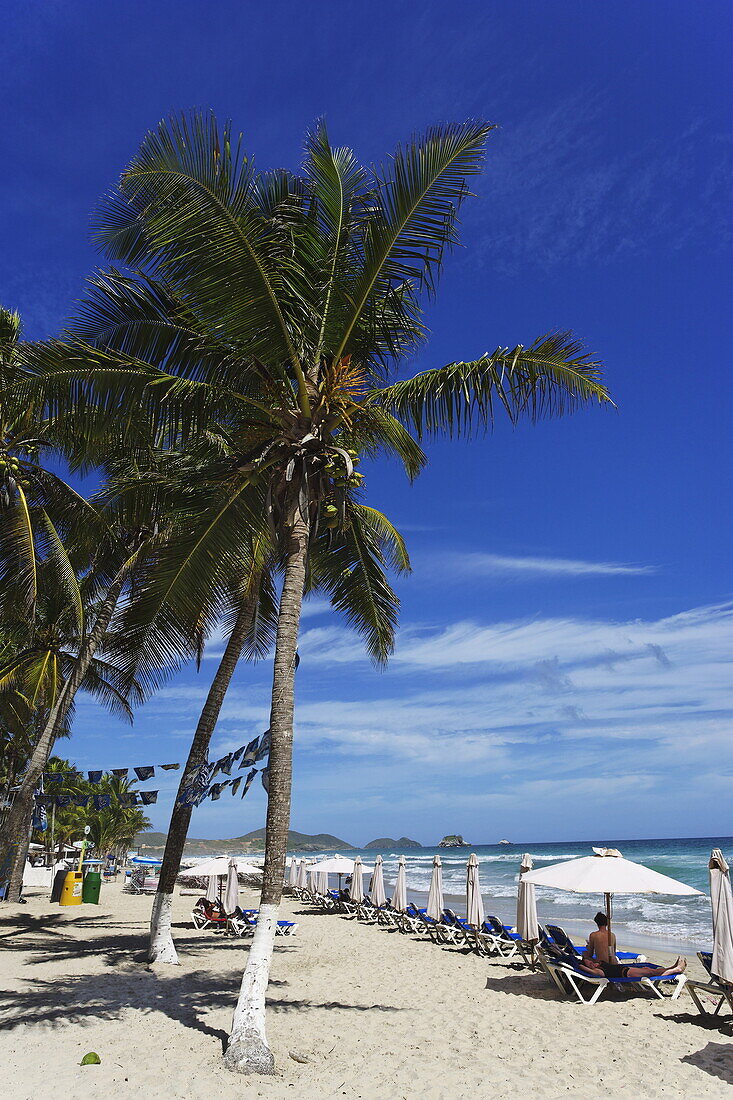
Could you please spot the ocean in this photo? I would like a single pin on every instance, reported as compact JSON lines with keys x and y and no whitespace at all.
{"x":640,"y":921}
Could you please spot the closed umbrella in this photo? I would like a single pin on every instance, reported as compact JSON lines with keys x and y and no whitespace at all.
{"x":212,"y":888}
{"x":722,"y":903}
{"x":293,"y":872}
{"x":435,"y":894}
{"x":312,"y":874}
{"x":322,"y":881}
{"x":474,"y":901}
{"x":399,"y":897}
{"x":607,"y":872}
{"x":301,"y":879}
{"x":527,"y":904}
{"x":231,"y":894}
{"x":378,"y":895}
{"x":356,"y":890}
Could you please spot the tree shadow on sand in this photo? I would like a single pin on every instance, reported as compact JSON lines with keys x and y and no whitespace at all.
{"x":185,"y":998}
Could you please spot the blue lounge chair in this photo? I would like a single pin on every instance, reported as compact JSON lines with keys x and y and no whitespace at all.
{"x":721,"y":991}
{"x":561,"y":939}
{"x":567,"y":974}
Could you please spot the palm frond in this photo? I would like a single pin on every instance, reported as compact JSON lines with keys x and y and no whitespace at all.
{"x":553,"y":377}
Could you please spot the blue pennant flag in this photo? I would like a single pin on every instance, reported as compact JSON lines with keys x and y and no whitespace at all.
{"x":264,"y":746}
{"x":63,"y":800}
{"x":128,"y":800}
{"x":235,"y":784}
{"x":95,"y":777}
{"x":250,"y":753}
{"x":149,"y":797}
{"x":265,"y":777}
{"x":144,"y":773}
{"x":120,"y":773}
{"x":170,"y":767}
{"x":102,"y":801}
{"x":81,"y":801}
{"x":248,"y":781}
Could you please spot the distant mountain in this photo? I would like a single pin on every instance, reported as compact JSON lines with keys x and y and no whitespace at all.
{"x":249,"y":842}
{"x":387,"y":842}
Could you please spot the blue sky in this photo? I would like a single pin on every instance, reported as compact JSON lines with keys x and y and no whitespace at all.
{"x":564,"y":664}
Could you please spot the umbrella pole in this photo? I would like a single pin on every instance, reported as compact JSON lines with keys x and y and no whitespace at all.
{"x":608,"y":926}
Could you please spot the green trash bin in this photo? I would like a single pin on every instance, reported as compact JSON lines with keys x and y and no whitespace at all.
{"x":91,"y":888}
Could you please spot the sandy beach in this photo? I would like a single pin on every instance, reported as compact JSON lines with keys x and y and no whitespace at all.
{"x":354,"y":1011}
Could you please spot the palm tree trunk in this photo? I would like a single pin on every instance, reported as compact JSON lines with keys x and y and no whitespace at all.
{"x":17,"y":826}
{"x":162,"y":948}
{"x":247,"y":1050}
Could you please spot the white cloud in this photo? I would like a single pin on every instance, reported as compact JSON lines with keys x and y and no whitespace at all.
{"x":477,"y":564}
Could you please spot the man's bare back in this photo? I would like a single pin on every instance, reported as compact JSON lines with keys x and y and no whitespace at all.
{"x":599,"y":947}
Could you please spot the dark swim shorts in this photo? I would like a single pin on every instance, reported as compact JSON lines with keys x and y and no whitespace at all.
{"x":612,"y":971}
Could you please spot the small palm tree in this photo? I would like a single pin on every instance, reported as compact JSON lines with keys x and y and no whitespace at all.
{"x":275,"y":311}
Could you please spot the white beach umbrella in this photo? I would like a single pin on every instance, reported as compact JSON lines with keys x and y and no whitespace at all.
{"x":301,"y":880}
{"x":293,"y":872}
{"x":607,"y":872}
{"x":231,"y":893}
{"x":322,"y":882}
{"x":722,"y":903}
{"x":474,"y":901}
{"x":212,"y":888}
{"x":336,"y":865}
{"x":356,"y":890}
{"x":399,"y":897}
{"x":527,"y":904}
{"x":219,"y":866}
{"x":312,"y":876}
{"x":377,"y":893}
{"x":435,"y":893}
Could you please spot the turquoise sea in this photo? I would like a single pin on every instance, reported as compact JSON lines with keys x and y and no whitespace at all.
{"x":642,"y":921}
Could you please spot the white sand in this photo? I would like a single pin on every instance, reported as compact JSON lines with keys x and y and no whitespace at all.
{"x":378,"y":1014}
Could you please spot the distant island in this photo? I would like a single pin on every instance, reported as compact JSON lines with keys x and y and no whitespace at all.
{"x":388,"y":842}
{"x":505,"y":842}
{"x":453,"y":841}
{"x":154,"y":843}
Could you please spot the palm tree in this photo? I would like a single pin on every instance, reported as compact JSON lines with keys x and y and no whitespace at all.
{"x":278,"y":309}
{"x":49,"y":661}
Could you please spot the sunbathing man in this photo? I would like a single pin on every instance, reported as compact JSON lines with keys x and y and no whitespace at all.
{"x":599,"y":958}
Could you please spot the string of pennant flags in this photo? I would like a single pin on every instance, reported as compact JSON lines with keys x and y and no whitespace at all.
{"x":200,"y":783}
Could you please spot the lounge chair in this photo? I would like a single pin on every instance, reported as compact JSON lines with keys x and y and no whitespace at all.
{"x":245,"y":922}
{"x":721,"y":991}
{"x":561,"y":939}
{"x":495,"y":938}
{"x":565,"y":972}
{"x":205,"y":915}
{"x":411,"y":921}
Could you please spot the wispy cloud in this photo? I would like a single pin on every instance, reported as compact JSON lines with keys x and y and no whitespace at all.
{"x":477,"y":564}
{"x":557,"y":192}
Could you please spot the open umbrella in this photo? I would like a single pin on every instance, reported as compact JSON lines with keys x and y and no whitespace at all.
{"x":219,"y":866}
{"x":231,"y":893}
{"x":526,"y":904}
{"x":722,"y":903}
{"x":435,"y":893}
{"x":378,"y":895}
{"x":399,"y":897}
{"x":607,"y":872}
{"x":356,"y":890}
{"x":474,"y":901}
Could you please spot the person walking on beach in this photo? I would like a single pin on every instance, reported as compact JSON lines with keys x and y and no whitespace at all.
{"x":599,"y":958}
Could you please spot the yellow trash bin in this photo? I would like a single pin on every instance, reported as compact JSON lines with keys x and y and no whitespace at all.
{"x":71,"y":890}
